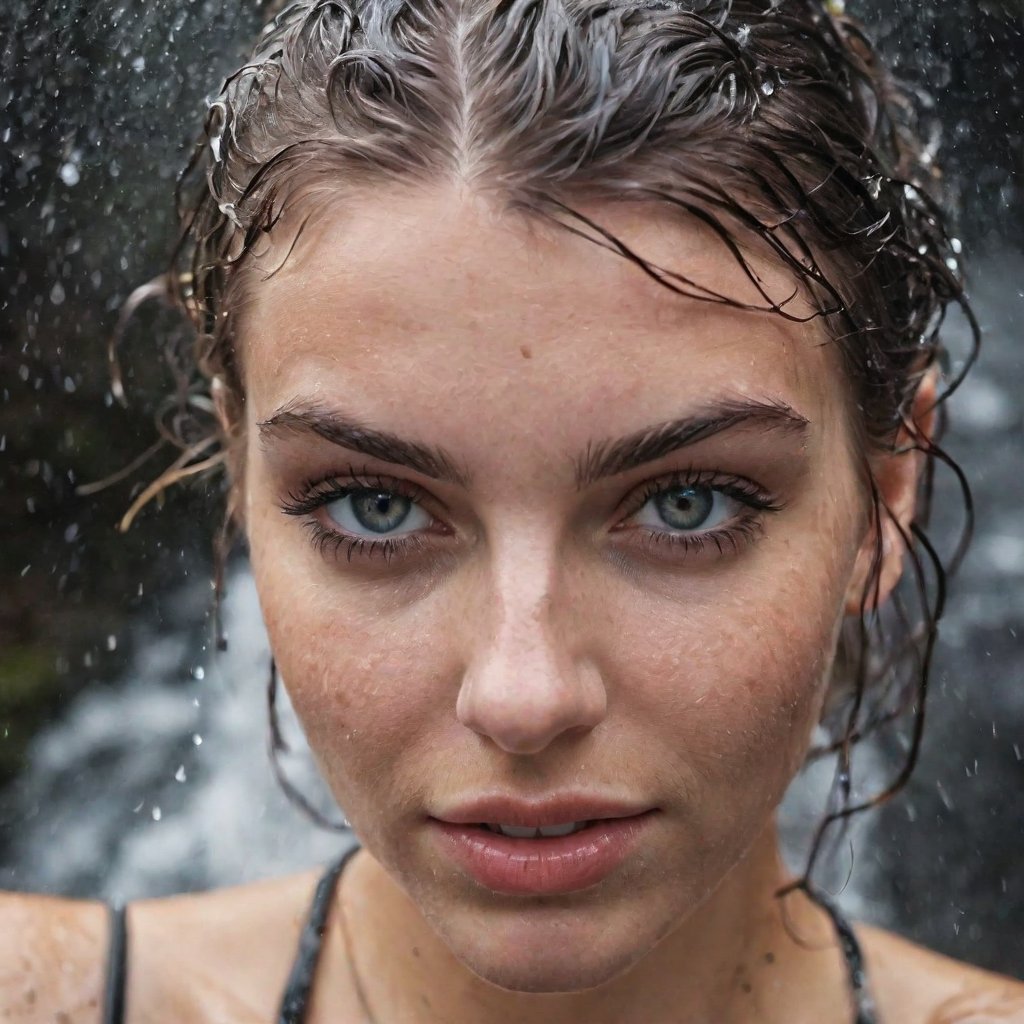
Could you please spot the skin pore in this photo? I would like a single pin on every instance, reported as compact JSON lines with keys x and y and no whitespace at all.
{"x":534,"y":402}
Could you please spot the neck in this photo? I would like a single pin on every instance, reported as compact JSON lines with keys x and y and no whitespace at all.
{"x":743,"y":955}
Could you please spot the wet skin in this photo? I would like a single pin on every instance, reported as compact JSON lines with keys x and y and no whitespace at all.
{"x":546,"y":632}
{"x":541,"y":626}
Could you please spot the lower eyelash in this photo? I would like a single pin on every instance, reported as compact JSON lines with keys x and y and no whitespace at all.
{"x":330,"y":542}
{"x":734,"y":537}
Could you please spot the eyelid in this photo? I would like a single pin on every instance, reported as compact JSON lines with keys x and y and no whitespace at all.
{"x":314,"y":494}
{"x":742,"y":488}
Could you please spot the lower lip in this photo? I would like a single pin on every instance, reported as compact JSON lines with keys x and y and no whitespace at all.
{"x":544,"y":866}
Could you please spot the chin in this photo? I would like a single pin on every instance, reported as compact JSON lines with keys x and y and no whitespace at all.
{"x":572,"y":969}
{"x":547,"y":951}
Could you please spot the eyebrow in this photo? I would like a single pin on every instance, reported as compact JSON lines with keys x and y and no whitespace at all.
{"x":609,"y":458}
{"x":299,"y":417}
{"x":601,"y":459}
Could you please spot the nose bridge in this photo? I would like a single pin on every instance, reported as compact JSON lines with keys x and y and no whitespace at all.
{"x":524,"y":584}
{"x":529,"y":680}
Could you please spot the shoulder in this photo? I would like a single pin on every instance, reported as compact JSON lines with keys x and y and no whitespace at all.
{"x":916,"y":986}
{"x":48,"y":966}
{"x":224,"y":953}
{"x":218,"y":955}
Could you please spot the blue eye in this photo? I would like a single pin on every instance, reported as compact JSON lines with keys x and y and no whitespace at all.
{"x":374,"y":513}
{"x":687,"y":508}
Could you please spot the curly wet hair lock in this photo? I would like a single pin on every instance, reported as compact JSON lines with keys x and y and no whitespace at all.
{"x":769,"y":121}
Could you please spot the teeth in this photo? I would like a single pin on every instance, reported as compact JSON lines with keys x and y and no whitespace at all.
{"x":528,"y":832}
{"x":518,"y":831}
{"x":562,"y":830}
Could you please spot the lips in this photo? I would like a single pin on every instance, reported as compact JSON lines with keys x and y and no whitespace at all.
{"x":584,"y":839}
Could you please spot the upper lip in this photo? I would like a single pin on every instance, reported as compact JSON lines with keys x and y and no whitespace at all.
{"x":551,"y":810}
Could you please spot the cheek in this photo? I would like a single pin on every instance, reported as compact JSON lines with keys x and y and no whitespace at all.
{"x":726,"y":680}
{"x":364,"y":683}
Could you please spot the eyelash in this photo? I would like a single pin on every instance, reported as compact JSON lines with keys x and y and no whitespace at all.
{"x":318,"y":493}
{"x":754,"y":503}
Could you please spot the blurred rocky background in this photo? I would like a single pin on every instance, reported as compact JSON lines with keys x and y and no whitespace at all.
{"x":132,"y":760}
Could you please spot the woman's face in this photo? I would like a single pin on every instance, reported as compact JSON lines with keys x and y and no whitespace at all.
{"x":527,"y":525}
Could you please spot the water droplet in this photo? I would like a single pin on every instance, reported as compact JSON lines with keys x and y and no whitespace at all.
{"x":228,"y":209}
{"x":197,"y":740}
{"x":199,"y":673}
{"x":111,"y":642}
{"x":139,"y":64}
{"x":57,"y":295}
{"x":956,"y":245}
{"x":157,"y":814}
{"x":768,"y":87}
{"x":731,"y":83}
{"x":179,"y":775}
{"x":70,"y":174}
{"x":71,"y":533}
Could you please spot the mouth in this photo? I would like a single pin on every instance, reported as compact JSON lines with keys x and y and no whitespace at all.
{"x":528,"y":858}
{"x":538,"y":832}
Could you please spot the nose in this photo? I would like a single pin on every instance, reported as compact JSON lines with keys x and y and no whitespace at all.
{"x":527,"y":682}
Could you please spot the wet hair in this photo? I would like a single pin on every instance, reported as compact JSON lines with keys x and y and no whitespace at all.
{"x":768,"y":121}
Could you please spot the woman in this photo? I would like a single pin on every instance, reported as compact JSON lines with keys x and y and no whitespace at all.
{"x":576,"y":366}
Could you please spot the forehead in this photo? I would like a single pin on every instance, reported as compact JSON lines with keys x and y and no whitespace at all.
{"x":392,"y":302}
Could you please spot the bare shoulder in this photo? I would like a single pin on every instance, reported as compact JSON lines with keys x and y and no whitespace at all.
{"x":913,"y":985}
{"x":48,"y":965}
{"x":222,"y":954}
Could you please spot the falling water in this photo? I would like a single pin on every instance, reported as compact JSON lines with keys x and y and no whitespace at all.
{"x":162,"y":784}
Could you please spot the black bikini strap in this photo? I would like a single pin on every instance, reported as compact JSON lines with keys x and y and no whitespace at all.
{"x":300,"y":981}
{"x":864,"y":1005}
{"x":113,"y":1004}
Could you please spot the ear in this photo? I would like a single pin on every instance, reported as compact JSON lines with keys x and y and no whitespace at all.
{"x":897,"y":476}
